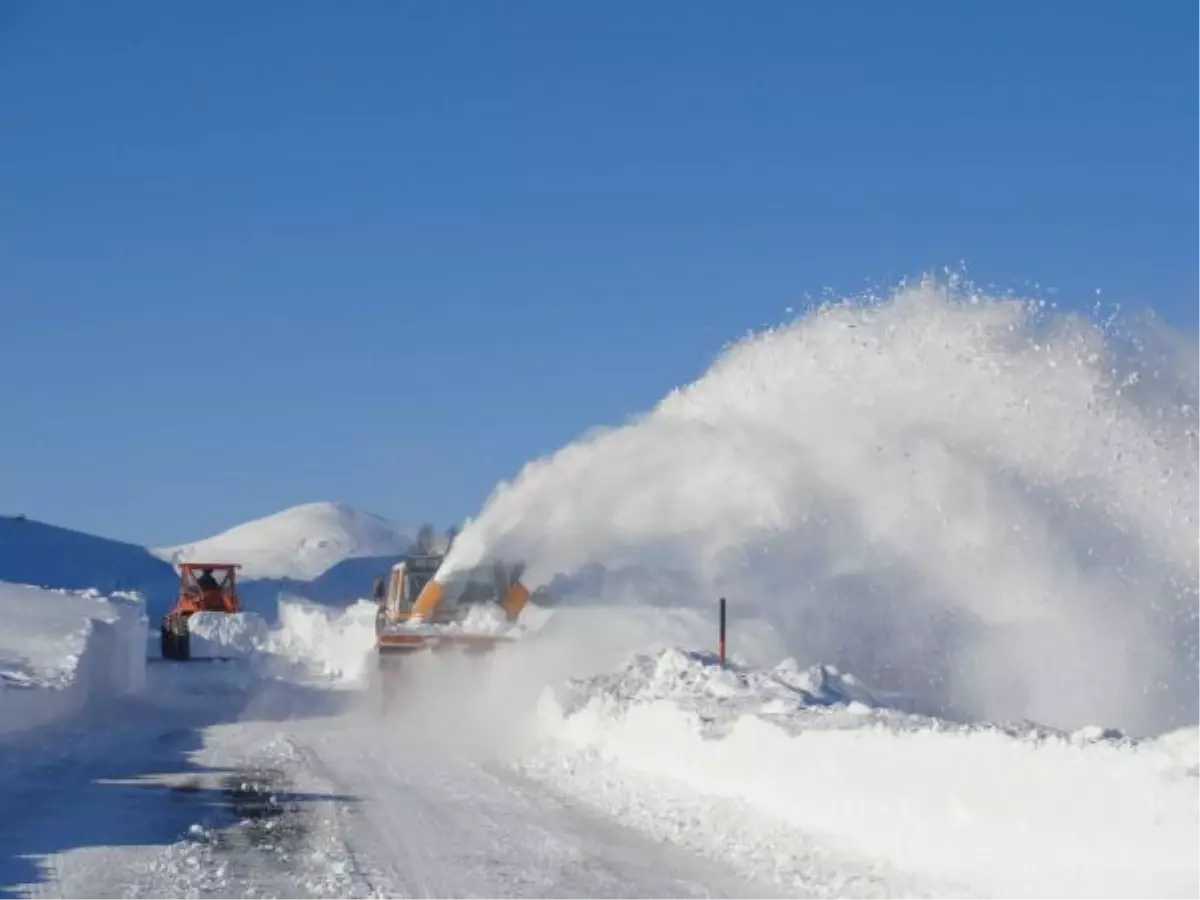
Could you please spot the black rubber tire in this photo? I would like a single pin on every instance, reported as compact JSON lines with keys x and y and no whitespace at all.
{"x":176,"y":641}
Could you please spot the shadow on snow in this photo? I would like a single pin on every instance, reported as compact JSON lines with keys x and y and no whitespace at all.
{"x":122,"y":773}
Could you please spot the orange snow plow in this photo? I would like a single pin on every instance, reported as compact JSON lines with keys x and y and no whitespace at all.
{"x":203,"y":587}
{"x":472,"y":610}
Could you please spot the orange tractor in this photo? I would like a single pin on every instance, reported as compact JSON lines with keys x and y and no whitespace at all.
{"x":203,"y":587}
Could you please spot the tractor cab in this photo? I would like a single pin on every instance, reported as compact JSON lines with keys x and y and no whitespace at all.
{"x":208,"y":587}
{"x":203,"y":587}
{"x":404,"y":584}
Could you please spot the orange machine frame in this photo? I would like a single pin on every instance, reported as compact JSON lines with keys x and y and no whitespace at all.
{"x":426,"y":608}
{"x":192,"y":598}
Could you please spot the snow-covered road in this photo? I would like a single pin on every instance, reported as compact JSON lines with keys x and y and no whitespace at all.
{"x":205,"y":789}
{"x":292,"y":773}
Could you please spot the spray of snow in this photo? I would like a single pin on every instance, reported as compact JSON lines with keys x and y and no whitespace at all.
{"x":335,"y":643}
{"x":963,"y":498}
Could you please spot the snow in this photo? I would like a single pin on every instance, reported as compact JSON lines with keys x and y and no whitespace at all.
{"x":958,"y":543}
{"x":979,"y":808}
{"x":334,"y":644}
{"x":750,"y":779}
{"x":61,"y":650}
{"x":223,"y":635}
{"x":306,"y":640}
{"x":958,"y":497}
{"x":301,"y":542}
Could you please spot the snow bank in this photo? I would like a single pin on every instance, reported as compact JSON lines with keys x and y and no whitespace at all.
{"x":308,"y":640}
{"x":336,"y":644}
{"x":61,"y":650}
{"x":968,"y":499}
{"x":1013,"y":811}
{"x":226,"y":635}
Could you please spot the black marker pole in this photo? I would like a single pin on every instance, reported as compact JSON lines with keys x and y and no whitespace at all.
{"x":721,"y":640}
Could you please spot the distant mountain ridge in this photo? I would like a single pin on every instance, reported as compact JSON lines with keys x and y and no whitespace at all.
{"x":45,"y":555}
{"x":328,"y":552}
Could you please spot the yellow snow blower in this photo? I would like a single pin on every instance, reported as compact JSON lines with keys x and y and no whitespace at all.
{"x":472,"y":610}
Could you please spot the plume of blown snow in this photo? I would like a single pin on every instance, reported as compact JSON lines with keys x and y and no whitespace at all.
{"x":983,"y":504}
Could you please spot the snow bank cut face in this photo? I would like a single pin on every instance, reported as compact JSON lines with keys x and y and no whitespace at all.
{"x":335,"y":646}
{"x":963,"y":498}
{"x":61,"y":649}
{"x":1084,"y":815}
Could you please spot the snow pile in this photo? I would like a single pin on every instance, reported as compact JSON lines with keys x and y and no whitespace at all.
{"x":225,"y":635}
{"x":1015,"y":812}
{"x":308,"y":640}
{"x":967,"y":499}
{"x":696,"y":682}
{"x":486,"y":618}
{"x":336,"y":644}
{"x":301,"y":542}
{"x":59,"y":650}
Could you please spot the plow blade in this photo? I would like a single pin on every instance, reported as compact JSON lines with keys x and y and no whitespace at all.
{"x":410,"y":642}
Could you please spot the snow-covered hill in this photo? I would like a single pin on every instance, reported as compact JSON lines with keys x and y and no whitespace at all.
{"x":300,"y":543}
{"x":323,"y":551}
{"x":35,"y":553}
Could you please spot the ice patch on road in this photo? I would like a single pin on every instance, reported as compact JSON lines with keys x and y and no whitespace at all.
{"x":60,"y":650}
{"x":1017,"y":810}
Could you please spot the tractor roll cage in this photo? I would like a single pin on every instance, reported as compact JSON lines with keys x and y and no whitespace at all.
{"x":224,"y":573}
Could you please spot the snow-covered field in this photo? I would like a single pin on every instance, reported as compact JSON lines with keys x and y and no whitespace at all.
{"x":959,"y":543}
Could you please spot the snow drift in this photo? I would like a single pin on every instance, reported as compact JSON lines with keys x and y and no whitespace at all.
{"x":306,"y":641}
{"x":971,"y":500}
{"x":60,"y":650}
{"x":335,"y":644}
{"x":975,"y":809}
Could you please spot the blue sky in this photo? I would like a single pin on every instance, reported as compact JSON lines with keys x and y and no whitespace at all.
{"x":254,"y":254}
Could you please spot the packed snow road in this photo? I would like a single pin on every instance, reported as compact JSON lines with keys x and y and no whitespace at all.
{"x":556,"y":769}
{"x":204,"y":788}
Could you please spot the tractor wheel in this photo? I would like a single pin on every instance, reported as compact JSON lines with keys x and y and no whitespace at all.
{"x":176,"y":643}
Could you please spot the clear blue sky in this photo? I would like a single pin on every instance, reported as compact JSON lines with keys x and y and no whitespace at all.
{"x":389,"y":251}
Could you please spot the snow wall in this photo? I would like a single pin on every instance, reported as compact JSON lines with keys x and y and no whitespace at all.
{"x":1005,"y":811}
{"x":307,"y":640}
{"x":61,"y":651}
{"x":972,"y":500}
